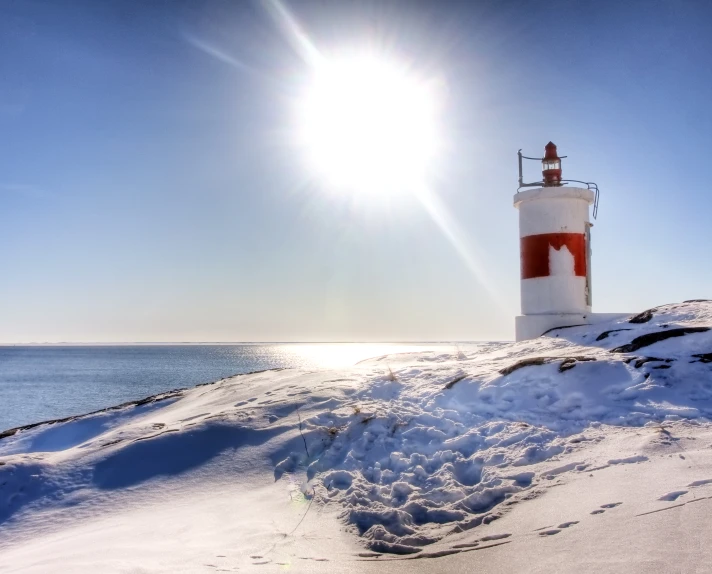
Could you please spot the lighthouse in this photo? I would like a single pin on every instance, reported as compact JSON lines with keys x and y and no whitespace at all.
{"x":555,"y":247}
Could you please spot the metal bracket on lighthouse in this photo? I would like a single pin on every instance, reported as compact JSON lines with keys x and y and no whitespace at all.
{"x":551,"y":173}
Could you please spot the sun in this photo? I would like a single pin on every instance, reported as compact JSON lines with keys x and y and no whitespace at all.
{"x":368,"y":125}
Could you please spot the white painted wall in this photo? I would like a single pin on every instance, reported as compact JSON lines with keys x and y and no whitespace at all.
{"x":554,"y":210}
{"x":559,"y":294}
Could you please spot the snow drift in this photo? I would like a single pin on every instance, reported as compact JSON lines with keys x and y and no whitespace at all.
{"x":407,"y":450}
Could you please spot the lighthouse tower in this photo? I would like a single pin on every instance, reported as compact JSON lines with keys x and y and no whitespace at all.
{"x":555,"y":244}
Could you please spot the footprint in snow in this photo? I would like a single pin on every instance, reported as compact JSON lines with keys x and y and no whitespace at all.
{"x":604,"y":507}
{"x":567,"y":524}
{"x":629,"y":460}
{"x":495,"y":537}
{"x":701,"y":482}
{"x":671,"y":496}
{"x":185,"y":420}
{"x":369,"y":554}
{"x":559,"y":528}
{"x":488,"y":538}
{"x":243,"y":403}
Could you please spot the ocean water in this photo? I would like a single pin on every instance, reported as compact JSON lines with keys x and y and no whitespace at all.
{"x":47,"y":382}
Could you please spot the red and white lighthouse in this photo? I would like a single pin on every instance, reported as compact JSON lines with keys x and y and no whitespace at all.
{"x":555,"y":244}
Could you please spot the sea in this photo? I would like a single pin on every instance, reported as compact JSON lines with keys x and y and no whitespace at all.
{"x":41,"y":382}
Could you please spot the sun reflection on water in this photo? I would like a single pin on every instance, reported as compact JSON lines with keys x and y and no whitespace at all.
{"x":340,"y":355}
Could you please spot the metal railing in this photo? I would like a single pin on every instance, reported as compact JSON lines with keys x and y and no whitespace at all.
{"x":589,"y":184}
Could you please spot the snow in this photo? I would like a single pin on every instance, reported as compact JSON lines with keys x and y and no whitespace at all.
{"x":491,"y":454}
{"x":561,"y":262}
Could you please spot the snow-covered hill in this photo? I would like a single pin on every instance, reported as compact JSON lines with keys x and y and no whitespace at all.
{"x":398,"y":458}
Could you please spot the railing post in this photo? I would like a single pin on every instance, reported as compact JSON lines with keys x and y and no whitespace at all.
{"x":521,"y":180}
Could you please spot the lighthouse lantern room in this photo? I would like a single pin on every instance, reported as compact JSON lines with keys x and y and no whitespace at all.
{"x":555,"y":245}
{"x":551,"y":166}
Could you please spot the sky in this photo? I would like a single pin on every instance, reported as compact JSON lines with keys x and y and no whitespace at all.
{"x":151,"y":189}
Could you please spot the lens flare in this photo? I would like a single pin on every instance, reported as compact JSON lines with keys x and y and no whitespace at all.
{"x":372,"y":125}
{"x":368,"y":125}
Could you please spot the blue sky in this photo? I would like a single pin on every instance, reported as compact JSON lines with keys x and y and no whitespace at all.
{"x":149,"y":190}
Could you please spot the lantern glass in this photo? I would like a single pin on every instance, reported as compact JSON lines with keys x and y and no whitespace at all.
{"x":551,"y":164}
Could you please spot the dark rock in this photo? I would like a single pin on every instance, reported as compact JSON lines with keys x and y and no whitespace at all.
{"x":573,"y":360}
{"x":643,"y":317}
{"x":457,"y":379}
{"x":564,"y":327}
{"x":650,"y":338}
{"x":703,"y":358}
{"x":640,"y":362}
{"x":570,"y":362}
{"x":605,"y":334}
{"x":526,"y":363}
{"x":566,"y":363}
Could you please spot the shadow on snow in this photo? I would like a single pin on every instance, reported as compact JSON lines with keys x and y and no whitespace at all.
{"x":173,"y":453}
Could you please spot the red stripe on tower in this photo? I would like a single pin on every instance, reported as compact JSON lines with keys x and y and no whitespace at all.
{"x":535,"y":251}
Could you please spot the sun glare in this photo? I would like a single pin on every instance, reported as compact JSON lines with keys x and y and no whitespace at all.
{"x":368,"y":125}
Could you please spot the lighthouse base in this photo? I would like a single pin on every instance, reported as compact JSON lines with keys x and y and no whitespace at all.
{"x":532,"y":326}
